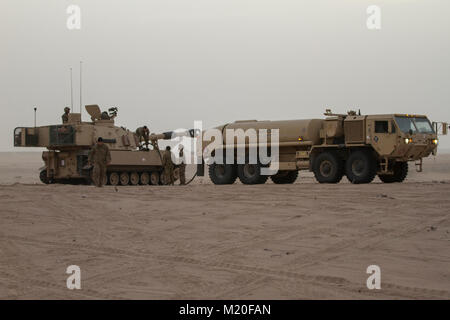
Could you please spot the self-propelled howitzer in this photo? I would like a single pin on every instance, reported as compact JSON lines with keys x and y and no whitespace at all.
{"x":68,"y":146}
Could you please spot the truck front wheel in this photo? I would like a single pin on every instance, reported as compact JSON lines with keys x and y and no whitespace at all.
{"x":328,"y":168}
{"x":400,"y":173}
{"x":360,"y":167}
{"x":222,"y":173}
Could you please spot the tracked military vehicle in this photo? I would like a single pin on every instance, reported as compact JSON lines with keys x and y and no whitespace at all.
{"x":68,"y":144}
{"x":353,"y":145}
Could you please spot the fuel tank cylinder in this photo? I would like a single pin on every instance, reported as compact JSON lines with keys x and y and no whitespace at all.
{"x":289,"y":130}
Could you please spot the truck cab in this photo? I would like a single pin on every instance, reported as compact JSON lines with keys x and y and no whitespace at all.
{"x":401,"y":137}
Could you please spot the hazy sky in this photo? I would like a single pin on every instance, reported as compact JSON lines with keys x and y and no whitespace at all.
{"x":166,"y":63}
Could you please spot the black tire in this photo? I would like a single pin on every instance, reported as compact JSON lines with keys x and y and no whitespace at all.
{"x":400,"y":173}
{"x":251,"y":174}
{"x":43,"y":177}
{"x":361,"y":167}
{"x":222,"y":173}
{"x":328,"y":168}
{"x":285,"y":177}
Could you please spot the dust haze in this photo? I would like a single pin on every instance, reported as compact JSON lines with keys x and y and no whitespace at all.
{"x":168,"y":63}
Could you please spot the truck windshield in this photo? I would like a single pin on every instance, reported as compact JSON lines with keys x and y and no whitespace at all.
{"x":423,"y":125}
{"x":415,"y":124}
{"x":405,"y":124}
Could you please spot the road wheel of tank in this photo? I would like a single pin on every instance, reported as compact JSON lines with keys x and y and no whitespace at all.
{"x":154,"y":178}
{"x":251,"y":174}
{"x":360,"y":167}
{"x":113,"y":178}
{"x":222,"y":173}
{"x":144,"y":178}
{"x":134,"y":178}
{"x":124,"y":178}
{"x":285,"y":177}
{"x":400,"y":173}
{"x":43,"y":177}
{"x":328,"y":168}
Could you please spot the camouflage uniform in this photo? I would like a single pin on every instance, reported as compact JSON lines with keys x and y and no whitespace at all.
{"x":182,"y":167}
{"x":65,"y":116}
{"x":142,"y":132}
{"x":99,"y":157}
{"x":168,"y":167}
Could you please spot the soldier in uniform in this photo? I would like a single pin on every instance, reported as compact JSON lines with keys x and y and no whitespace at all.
{"x":182,"y":165}
{"x":168,"y":166}
{"x":99,"y":157}
{"x":65,"y":116}
{"x":143,"y":133}
{"x":104,"y":116}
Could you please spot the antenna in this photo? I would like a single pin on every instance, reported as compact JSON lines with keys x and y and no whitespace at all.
{"x":81,"y":62}
{"x":35,"y":116}
{"x":71,"y":90}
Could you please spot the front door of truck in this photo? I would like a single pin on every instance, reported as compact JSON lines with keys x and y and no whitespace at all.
{"x":384,"y":136}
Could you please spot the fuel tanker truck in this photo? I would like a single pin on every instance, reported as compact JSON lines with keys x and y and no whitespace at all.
{"x":68,"y":146}
{"x":357,"y":146}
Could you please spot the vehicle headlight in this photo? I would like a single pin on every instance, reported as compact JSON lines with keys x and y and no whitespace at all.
{"x":408,"y":140}
{"x":435,"y":141}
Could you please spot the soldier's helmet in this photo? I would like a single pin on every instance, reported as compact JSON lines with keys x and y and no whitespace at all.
{"x":66,"y":109}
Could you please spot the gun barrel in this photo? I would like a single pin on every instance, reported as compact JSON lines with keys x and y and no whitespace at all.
{"x":191,"y":133}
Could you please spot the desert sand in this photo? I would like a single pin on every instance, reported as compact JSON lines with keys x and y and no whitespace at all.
{"x":300,"y":241}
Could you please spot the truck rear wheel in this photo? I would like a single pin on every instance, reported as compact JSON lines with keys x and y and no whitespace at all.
{"x":360,"y":167}
{"x":251,"y":174}
{"x":124,"y":178}
{"x":400,"y":173}
{"x":113,"y":178}
{"x":328,"y":168}
{"x":285,"y":177}
{"x":222,"y":173}
{"x":144,"y":178}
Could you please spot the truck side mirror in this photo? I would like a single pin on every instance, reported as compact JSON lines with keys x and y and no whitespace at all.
{"x":444,"y":128}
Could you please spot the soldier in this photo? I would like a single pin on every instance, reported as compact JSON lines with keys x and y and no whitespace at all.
{"x":65,"y":116}
{"x":99,"y":157}
{"x":143,"y":132}
{"x":182,"y":165}
{"x":168,"y":166}
{"x":105,"y":116}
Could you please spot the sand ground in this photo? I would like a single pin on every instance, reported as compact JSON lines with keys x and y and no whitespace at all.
{"x":203,"y":241}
